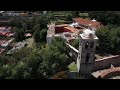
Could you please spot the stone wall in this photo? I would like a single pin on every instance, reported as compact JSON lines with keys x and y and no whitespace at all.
{"x":106,"y":62}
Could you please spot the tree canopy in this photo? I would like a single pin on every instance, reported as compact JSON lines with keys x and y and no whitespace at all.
{"x":19,"y":34}
{"x":109,"y":40}
{"x":35,"y":63}
{"x":40,"y":36}
{"x":106,"y":17}
{"x":75,"y":43}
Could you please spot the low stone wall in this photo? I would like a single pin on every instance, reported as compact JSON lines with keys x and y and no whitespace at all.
{"x":106,"y":62}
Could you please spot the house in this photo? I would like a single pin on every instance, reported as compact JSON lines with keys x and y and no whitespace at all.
{"x":76,"y":27}
{"x":27,"y":35}
{"x":7,"y":43}
{"x":17,"y":46}
{"x":6,"y":31}
{"x":88,"y":23}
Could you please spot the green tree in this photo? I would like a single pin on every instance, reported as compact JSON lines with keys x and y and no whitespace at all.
{"x":37,"y":63}
{"x":60,"y":44}
{"x":42,"y":22}
{"x":17,"y":71}
{"x":35,"y":28}
{"x":109,"y":40}
{"x":45,"y":62}
{"x":24,"y":26}
{"x":68,"y":17}
{"x":19,"y":35}
{"x":75,"y":14}
{"x":75,"y":43}
{"x":106,"y":17}
{"x":15,"y":22}
{"x":15,"y":29}
{"x":40,"y":36}
{"x":104,"y":40}
{"x":28,"y":23}
{"x":115,"y":40}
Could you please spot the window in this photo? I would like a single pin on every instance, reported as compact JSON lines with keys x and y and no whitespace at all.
{"x":87,"y":57}
{"x":91,"y":44}
{"x":86,"y":45}
{"x":91,"y":35}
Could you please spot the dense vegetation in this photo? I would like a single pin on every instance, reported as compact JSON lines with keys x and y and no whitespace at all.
{"x":75,"y":43}
{"x":41,"y":62}
{"x":109,"y":40}
{"x":36,"y":26}
{"x":106,"y":17}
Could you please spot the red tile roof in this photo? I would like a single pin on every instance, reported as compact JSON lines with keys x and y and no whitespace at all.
{"x":86,"y":22}
{"x":3,"y":33}
{"x":1,"y":50}
{"x":109,"y":71}
{"x":71,"y":29}
{"x":9,"y":34}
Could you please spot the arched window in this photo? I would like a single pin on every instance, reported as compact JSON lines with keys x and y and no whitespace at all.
{"x":87,"y":57}
{"x":96,"y":48}
{"x":86,"y":45}
{"x":91,"y":44}
{"x":91,"y":35}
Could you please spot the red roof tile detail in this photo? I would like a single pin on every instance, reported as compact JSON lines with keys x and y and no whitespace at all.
{"x":109,"y":72}
{"x":87,"y":22}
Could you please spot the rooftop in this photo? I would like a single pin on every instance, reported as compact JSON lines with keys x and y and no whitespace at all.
{"x":6,"y":43}
{"x":87,"y":22}
{"x":103,"y":73}
{"x":72,"y":29}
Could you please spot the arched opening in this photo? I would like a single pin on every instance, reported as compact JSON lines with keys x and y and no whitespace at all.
{"x":86,"y":45}
{"x":91,"y":35}
{"x":87,"y":57}
{"x":91,"y":44}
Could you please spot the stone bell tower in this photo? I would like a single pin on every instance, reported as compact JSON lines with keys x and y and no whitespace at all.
{"x":86,"y":55}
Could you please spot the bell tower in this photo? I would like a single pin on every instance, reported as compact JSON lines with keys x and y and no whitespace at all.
{"x":86,"y":56}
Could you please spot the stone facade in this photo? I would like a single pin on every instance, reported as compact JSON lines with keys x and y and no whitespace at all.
{"x":106,"y":62}
{"x":85,"y":60}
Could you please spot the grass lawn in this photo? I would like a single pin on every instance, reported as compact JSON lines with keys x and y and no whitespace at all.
{"x":73,"y":72}
{"x":72,"y":67}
